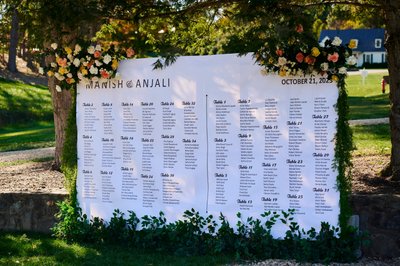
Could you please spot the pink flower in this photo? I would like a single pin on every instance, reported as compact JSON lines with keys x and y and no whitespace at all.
{"x":279,"y":52}
{"x":299,"y":28}
{"x":130,"y":52}
{"x":333,"y":57}
{"x":97,"y":54}
{"x":300,"y":57}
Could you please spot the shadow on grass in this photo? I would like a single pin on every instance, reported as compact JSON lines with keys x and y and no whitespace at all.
{"x":39,"y":249}
{"x":376,"y":106}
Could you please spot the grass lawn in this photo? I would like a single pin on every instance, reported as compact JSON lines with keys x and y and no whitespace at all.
{"x":26,"y":116}
{"x":372,"y":139}
{"x":39,"y":249}
{"x":366,"y":100}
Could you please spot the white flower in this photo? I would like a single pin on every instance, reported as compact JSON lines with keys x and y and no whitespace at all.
{"x":76,"y":62}
{"x":107,"y":59}
{"x":41,"y":70}
{"x":69,"y":75}
{"x":54,"y":45}
{"x":336,"y":41}
{"x":342,"y":70}
{"x":93,"y":70}
{"x":58,"y":88}
{"x":70,"y":57}
{"x":324,"y":66}
{"x":95,"y":79}
{"x":59,"y":77}
{"x":90,"y":50}
{"x":78,"y":48}
{"x":80,"y":76}
{"x":282,"y":61}
{"x":53,"y":64}
{"x":98,"y":47}
{"x":98,"y":63}
{"x":352,"y":60}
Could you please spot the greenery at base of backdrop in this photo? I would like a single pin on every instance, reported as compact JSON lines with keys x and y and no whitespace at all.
{"x":200,"y":235}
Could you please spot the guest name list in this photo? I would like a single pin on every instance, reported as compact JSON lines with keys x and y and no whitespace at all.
{"x":210,"y":133}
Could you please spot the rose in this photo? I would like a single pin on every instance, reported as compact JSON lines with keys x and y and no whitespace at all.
{"x":78,"y":48}
{"x":93,"y":70}
{"x":53,"y":65}
{"x":98,"y":47}
{"x":324,"y":66}
{"x":310,"y":60}
{"x":58,"y":88}
{"x":98,"y":63}
{"x":342,"y":70}
{"x":333,"y":57}
{"x":114,"y":64}
{"x":130,"y":52}
{"x":352,"y":44}
{"x":352,"y":60}
{"x":68,"y":50}
{"x":58,"y":76}
{"x":76,"y":62}
{"x":107,"y":59}
{"x":97,"y":54}
{"x":315,"y":52}
{"x":90,"y":49}
{"x":50,"y":73}
{"x":299,"y":28}
{"x":336,"y":41}
{"x":54,"y":45}
{"x":335,"y":78}
{"x":279,"y":52}
{"x":300,"y":57}
{"x":282,"y":61}
{"x":63,"y":70}
{"x":104,"y":74}
{"x":62,"y":62}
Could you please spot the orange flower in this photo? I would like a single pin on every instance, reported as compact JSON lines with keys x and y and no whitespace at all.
{"x":97,"y":54}
{"x":104,"y":74}
{"x":309,"y":60}
{"x":62,"y":62}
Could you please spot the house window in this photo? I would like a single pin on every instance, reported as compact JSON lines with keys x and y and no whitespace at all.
{"x":378,"y":43}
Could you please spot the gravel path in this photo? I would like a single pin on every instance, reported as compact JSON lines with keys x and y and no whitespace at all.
{"x":26,"y":155}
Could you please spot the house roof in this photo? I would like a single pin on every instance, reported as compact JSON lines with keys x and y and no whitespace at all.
{"x":366,"y":38}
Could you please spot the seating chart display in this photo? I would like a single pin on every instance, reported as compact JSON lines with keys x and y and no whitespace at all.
{"x":213,"y":133}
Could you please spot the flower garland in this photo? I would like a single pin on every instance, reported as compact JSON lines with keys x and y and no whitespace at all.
{"x":81,"y":63}
{"x":331,"y":60}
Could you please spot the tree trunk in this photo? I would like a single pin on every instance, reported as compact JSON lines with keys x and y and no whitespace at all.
{"x":12,"y":52}
{"x":62,"y":103}
{"x":392,"y":44}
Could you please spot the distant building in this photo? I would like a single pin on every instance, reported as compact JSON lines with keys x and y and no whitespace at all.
{"x":368,"y":43}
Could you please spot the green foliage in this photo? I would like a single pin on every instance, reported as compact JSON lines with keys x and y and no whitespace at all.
{"x":343,"y":147}
{"x":195,"y":235}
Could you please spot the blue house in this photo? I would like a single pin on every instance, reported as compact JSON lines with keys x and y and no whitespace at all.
{"x":368,"y":43}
